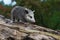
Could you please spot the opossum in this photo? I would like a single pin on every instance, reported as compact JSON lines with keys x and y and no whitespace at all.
{"x":23,"y":14}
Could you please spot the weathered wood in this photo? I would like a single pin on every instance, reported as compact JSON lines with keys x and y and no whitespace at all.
{"x":21,"y":31}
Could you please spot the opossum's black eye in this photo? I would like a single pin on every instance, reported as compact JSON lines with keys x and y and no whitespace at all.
{"x":26,"y":11}
{"x":30,"y":16}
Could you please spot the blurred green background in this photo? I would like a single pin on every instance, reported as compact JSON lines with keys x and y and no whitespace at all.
{"x":47,"y":12}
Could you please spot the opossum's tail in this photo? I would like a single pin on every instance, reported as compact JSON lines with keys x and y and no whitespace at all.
{"x":11,"y":15}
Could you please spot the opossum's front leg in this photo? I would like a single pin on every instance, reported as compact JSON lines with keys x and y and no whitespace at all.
{"x":13,"y":19}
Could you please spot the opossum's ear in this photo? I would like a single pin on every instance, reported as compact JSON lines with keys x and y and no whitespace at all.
{"x":26,"y":11}
{"x":33,"y":10}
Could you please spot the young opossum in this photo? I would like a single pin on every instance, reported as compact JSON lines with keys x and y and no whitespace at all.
{"x":22,"y":14}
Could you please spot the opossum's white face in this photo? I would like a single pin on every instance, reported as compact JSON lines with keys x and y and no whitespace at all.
{"x":30,"y":16}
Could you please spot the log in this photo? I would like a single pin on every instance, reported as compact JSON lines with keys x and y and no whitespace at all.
{"x":19,"y":31}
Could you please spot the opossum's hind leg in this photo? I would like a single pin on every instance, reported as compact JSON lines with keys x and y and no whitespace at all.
{"x":13,"y":20}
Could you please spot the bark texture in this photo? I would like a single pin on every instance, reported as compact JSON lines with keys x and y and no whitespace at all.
{"x":20,"y":31}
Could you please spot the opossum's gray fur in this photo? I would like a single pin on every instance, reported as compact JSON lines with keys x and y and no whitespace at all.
{"x":19,"y":13}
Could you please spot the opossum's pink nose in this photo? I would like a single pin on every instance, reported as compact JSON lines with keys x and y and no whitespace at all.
{"x":33,"y":21}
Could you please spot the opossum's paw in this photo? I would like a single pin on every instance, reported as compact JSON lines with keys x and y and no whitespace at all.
{"x":20,"y":21}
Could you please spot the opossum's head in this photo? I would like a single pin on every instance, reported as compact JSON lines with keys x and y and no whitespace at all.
{"x":30,"y":16}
